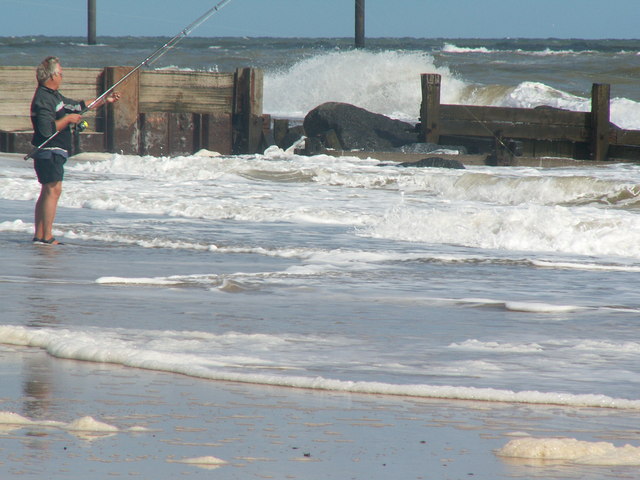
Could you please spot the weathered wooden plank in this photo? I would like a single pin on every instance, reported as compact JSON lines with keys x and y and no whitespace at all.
{"x":182,"y":133}
{"x":186,"y":92}
{"x":85,"y":82}
{"x":18,"y":142}
{"x":12,"y":76}
{"x":625,"y":137}
{"x":625,"y":152}
{"x":17,"y":85}
{"x":510,"y":130}
{"x":154,"y":134}
{"x":542,"y":115}
{"x":217,"y":132}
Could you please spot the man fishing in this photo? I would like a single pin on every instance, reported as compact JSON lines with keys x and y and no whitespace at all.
{"x":52,"y":116}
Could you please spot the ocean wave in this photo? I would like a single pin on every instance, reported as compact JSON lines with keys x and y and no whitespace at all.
{"x":531,"y":228}
{"x":386,"y":82}
{"x":126,"y":350}
{"x":452,"y":48}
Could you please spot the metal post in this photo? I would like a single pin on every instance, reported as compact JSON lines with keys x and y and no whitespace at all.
{"x":359,"y":23}
{"x":91,"y":22}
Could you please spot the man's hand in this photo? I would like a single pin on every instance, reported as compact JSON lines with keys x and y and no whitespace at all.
{"x":67,"y":120}
{"x":114,"y":97}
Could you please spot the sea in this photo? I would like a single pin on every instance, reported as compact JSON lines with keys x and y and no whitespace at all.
{"x":504,"y":285}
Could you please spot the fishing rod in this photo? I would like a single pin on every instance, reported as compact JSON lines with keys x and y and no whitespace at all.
{"x":147,"y":61}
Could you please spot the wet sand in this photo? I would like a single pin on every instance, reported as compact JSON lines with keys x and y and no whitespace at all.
{"x":147,"y":424}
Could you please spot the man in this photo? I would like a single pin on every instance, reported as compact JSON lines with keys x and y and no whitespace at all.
{"x":52,"y":112}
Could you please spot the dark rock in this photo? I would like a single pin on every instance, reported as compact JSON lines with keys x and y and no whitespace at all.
{"x":357,"y":128}
{"x":436,"y":162}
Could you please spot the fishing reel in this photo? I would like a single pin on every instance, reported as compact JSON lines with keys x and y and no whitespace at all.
{"x":81,"y":126}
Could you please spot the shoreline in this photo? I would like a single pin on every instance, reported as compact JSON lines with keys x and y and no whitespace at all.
{"x":399,"y":157}
{"x":160,"y":425}
{"x":470,"y":159}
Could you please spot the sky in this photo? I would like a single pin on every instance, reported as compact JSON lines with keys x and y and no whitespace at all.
{"x":588,"y":19}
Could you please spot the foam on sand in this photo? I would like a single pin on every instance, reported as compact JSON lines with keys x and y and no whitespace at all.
{"x":89,"y":424}
{"x":571,"y":450}
{"x":10,"y":418}
{"x":537,"y":307}
{"x":208,"y":462}
{"x":85,"y":427}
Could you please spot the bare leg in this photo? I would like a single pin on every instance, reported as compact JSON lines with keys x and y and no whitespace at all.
{"x":46,"y":209}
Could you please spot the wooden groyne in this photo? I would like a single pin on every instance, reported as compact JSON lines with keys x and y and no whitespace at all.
{"x":539,"y":132}
{"x":160,"y":112}
{"x":165,"y":113}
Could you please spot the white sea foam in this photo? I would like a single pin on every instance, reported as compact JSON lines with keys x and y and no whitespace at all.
{"x":585,"y":266}
{"x":535,"y":94}
{"x":497,"y":346}
{"x":537,"y":307}
{"x":208,"y":462}
{"x":571,"y":450}
{"x":90,"y":424}
{"x":451,"y":48}
{"x":143,"y":353}
{"x":84,"y":424}
{"x":605,"y":346}
{"x":11,"y":418}
{"x":384,"y":82}
{"x":517,"y":210}
{"x":584,"y":231}
{"x":138,"y":281}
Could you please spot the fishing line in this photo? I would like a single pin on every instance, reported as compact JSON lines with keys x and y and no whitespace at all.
{"x":147,"y":61}
{"x":491,"y":133}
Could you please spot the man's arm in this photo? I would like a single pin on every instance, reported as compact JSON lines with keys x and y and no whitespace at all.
{"x":67,"y":120}
{"x":44,"y":120}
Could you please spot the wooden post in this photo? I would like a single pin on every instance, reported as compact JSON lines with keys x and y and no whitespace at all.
{"x":91,"y":22}
{"x":154,"y":137}
{"x":182,"y":131}
{"x":430,"y":108}
{"x":280,"y":130}
{"x":248,"y":110}
{"x":600,"y":114}
{"x":359,"y":23}
{"x":217,"y":132}
{"x":122,"y":132}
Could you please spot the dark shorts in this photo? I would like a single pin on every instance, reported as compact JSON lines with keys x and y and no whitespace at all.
{"x":49,"y":168}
